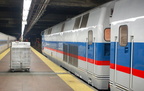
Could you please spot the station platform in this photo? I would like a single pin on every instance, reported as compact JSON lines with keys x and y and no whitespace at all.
{"x":44,"y":75}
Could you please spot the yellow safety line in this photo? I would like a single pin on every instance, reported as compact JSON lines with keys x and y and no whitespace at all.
{"x":4,"y":53}
{"x":73,"y":82}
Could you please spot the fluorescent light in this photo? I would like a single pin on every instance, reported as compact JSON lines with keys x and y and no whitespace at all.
{"x":27,"y":4}
{"x":26,"y":7}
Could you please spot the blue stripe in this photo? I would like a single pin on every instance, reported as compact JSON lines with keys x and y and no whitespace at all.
{"x":102,"y":49}
{"x":3,"y":40}
{"x":138,"y":56}
{"x":125,"y":58}
{"x":112,"y":52}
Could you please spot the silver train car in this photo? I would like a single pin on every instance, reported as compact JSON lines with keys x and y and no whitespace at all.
{"x":127,"y":46}
{"x":101,"y":46}
{"x":5,"y":41}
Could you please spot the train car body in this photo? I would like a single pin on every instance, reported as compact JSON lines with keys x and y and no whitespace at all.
{"x":127,"y":46}
{"x":11,"y":39}
{"x":5,"y":41}
{"x":79,"y":45}
{"x":82,"y":46}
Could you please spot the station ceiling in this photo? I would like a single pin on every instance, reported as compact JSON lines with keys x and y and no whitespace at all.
{"x":10,"y":17}
{"x":43,"y":14}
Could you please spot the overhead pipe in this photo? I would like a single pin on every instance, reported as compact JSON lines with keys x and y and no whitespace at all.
{"x":39,"y":13}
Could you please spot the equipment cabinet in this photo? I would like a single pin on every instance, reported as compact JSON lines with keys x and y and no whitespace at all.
{"x":20,"y":56}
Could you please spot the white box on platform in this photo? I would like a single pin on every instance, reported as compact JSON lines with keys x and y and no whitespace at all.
{"x":20,"y":56}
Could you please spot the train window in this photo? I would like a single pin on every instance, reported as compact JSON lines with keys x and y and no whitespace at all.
{"x":77,"y":23}
{"x":90,"y":37}
{"x":123,"y":35}
{"x":84,"y":20}
{"x":45,"y":32}
{"x":107,"y":34}
{"x":49,"y":31}
{"x":62,"y":28}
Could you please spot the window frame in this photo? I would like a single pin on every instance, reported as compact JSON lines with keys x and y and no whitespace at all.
{"x":49,"y":30}
{"x":77,"y":22}
{"x":62,"y":28}
{"x":121,"y":36}
{"x":84,"y":20}
{"x":109,"y":34}
{"x":90,"y":37}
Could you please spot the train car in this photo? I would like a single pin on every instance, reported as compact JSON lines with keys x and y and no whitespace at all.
{"x":127,"y":46}
{"x":82,"y":45}
{"x":5,"y":41}
{"x":11,"y":39}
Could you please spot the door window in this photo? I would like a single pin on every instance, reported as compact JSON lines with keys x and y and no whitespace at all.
{"x":90,"y":37}
{"x":107,"y":34}
{"x":123,"y":35}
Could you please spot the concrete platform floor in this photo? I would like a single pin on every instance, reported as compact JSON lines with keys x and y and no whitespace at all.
{"x":40,"y":77}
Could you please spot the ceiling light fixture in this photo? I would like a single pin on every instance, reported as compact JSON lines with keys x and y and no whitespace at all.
{"x":26,"y":7}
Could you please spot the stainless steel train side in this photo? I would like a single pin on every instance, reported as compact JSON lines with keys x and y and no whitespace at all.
{"x":82,"y":45}
{"x":127,"y":46}
{"x":78,"y":44}
{"x":5,"y":41}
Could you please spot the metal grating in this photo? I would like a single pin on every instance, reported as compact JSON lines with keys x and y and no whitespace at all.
{"x":73,"y":57}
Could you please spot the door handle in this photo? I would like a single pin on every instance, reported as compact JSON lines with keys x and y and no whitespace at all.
{"x":126,"y":49}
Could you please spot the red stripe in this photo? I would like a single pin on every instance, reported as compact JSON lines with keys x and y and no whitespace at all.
{"x":138,"y":73}
{"x":49,"y":48}
{"x":112,"y":66}
{"x":60,"y":51}
{"x":120,"y":68}
{"x":82,"y":58}
{"x":123,"y":69}
{"x":72,"y":55}
{"x":102,"y":63}
{"x":65,"y":53}
{"x":91,"y":60}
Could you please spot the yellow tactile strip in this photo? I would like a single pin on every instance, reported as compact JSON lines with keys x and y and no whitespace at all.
{"x":4,"y":53}
{"x":73,"y":82}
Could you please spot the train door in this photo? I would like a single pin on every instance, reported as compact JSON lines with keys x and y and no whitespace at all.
{"x":123,"y":56}
{"x":90,"y":52}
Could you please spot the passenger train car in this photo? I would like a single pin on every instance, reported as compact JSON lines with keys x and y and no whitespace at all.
{"x":127,"y":46}
{"x":5,"y":41}
{"x":103,"y":46}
